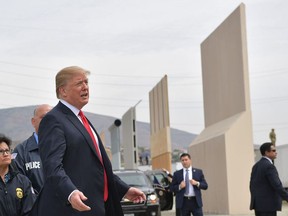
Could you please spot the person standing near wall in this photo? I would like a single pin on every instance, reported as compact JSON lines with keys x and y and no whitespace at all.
{"x":266,"y":188}
{"x":187,"y":183}
{"x":272,"y":136}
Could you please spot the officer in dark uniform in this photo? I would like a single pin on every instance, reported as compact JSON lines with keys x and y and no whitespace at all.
{"x":16,"y":193}
{"x":26,"y":155}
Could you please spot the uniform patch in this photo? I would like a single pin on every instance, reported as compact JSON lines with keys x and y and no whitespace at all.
{"x":19,"y":193}
{"x":32,"y":165}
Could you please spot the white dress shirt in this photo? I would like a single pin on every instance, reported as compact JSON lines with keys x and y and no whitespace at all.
{"x":191,"y":188}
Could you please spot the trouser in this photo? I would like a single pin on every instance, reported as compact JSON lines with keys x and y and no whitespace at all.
{"x":190,"y":206}
{"x":259,"y":213}
{"x":178,"y":212}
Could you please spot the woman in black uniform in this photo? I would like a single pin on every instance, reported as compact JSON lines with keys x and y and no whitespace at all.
{"x":16,"y":193}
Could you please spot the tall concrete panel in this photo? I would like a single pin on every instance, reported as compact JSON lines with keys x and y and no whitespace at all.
{"x":160,"y":137}
{"x":103,"y":139}
{"x":115,"y":144}
{"x":129,"y":139}
{"x":224,"y":149}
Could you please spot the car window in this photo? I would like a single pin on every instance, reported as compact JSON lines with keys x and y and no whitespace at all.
{"x":161,"y":179}
{"x":133,"y":179}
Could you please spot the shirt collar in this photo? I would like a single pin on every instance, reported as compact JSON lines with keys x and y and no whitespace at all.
{"x":189,"y":168}
{"x":7,"y":177}
{"x":268,"y":159}
{"x":71,"y":107}
{"x":36,"y":137}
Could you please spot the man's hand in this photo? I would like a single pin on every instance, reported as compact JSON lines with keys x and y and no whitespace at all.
{"x":182,"y":185}
{"x":194,"y":182}
{"x":135,"y":195}
{"x":76,"y":201}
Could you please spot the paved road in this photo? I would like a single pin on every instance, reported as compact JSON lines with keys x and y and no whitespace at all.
{"x":284,"y":212}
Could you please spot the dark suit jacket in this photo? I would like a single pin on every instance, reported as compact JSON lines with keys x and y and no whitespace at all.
{"x":178,"y":178}
{"x":70,"y":162}
{"x":266,"y":188}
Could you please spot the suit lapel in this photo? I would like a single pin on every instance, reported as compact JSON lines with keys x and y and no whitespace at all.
{"x":181,"y":175}
{"x":196,"y":173}
{"x":76,"y":122}
{"x":101,"y":147}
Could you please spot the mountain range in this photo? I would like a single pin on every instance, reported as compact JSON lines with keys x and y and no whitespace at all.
{"x":16,"y":124}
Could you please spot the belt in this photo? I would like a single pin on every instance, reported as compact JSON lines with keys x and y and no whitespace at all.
{"x":189,"y":197}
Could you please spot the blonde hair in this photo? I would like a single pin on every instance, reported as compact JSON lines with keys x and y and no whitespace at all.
{"x":64,"y":75}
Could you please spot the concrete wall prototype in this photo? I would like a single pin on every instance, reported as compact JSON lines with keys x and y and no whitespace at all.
{"x":130,"y":146}
{"x":160,"y":137}
{"x":224,"y":149}
{"x":115,"y":144}
{"x":103,"y":139}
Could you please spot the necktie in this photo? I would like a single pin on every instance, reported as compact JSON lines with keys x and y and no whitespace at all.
{"x":187,"y":182}
{"x":87,"y":126}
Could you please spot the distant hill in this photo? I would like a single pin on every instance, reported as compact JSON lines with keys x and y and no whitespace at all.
{"x":16,"y":123}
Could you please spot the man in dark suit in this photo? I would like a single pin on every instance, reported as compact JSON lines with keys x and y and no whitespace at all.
{"x":266,"y":188}
{"x":187,"y":184}
{"x":78,"y":174}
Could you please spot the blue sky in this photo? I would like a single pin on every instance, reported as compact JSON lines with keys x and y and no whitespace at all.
{"x":130,"y":45}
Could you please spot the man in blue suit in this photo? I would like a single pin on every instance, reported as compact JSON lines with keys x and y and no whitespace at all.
{"x":266,"y":188}
{"x":187,"y":184}
{"x":78,"y":175}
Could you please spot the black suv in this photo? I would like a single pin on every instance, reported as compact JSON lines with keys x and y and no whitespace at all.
{"x":137,"y":178}
{"x":161,"y":182}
